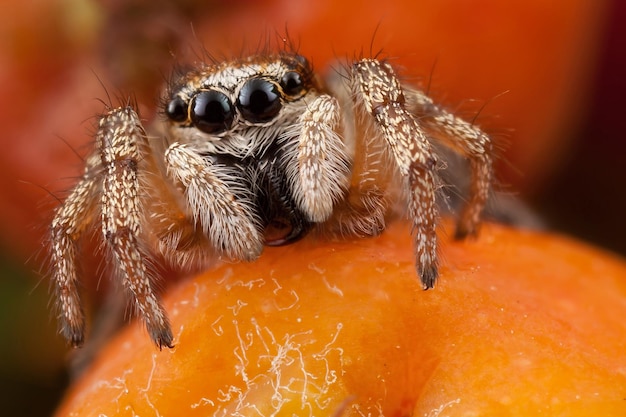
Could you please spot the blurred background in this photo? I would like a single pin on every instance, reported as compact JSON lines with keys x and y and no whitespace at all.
{"x":546,"y":79}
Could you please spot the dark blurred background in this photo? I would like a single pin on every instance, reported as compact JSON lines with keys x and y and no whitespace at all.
{"x":587,"y":196}
{"x":565,"y":143}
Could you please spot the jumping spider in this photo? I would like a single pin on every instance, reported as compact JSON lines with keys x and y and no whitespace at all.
{"x":255,"y":152}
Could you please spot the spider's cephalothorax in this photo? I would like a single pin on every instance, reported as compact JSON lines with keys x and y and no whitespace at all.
{"x":257,"y":152}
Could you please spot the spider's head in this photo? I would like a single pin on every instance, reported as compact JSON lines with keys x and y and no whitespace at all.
{"x":216,"y":101}
{"x":239,"y":115}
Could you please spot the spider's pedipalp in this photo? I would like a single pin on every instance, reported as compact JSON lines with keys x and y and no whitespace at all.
{"x":219,"y":203}
{"x":316,"y":163}
{"x":119,"y":140}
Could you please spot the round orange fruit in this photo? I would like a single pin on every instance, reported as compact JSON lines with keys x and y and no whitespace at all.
{"x":520,"y":323}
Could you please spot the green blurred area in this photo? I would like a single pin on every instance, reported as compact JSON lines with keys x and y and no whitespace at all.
{"x":32,"y":374}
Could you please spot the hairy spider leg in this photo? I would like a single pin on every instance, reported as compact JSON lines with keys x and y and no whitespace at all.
{"x":378,"y":90}
{"x":471,"y":142}
{"x":119,"y":140}
{"x":69,"y":223}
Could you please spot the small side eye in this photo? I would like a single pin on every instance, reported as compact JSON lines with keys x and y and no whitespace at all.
{"x":176,"y":110}
{"x":211,"y":111}
{"x":259,"y":100}
{"x":301,"y":59}
{"x":292,"y":83}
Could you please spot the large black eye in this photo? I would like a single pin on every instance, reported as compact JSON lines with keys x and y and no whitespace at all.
{"x":259,"y":100}
{"x":292,"y":83}
{"x":211,"y":111}
{"x":176,"y":110}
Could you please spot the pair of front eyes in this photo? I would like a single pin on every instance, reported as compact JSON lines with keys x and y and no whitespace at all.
{"x":258,"y":102}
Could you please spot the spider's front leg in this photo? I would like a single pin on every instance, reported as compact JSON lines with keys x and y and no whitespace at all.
{"x":122,"y":143}
{"x":219,"y":200}
{"x":377,"y":89}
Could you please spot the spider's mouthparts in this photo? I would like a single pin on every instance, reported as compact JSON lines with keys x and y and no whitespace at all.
{"x":282,"y":231}
{"x":283,"y":221}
